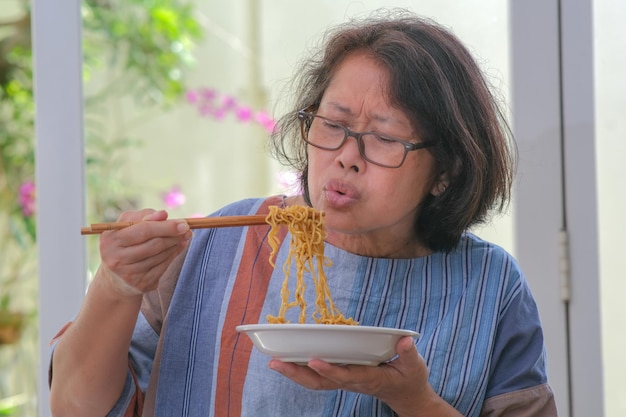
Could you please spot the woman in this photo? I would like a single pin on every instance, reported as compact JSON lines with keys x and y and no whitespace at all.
{"x":399,"y":141}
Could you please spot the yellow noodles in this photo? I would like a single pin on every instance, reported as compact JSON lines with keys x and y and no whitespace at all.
{"x":306,"y":249}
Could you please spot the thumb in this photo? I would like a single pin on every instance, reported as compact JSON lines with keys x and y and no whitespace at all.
{"x":410,"y":362}
{"x":406,"y":346}
{"x":408,"y":356}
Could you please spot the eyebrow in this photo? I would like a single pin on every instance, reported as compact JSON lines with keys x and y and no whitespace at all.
{"x":375,"y":117}
{"x":345,"y":110}
{"x":340,"y":108}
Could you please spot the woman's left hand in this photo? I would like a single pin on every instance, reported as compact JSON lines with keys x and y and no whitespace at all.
{"x":402,"y":383}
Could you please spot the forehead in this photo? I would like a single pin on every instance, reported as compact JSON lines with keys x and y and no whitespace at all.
{"x":358,"y":74}
{"x":360,"y":87}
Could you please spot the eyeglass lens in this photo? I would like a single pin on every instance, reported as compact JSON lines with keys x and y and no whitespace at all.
{"x":327,"y":134}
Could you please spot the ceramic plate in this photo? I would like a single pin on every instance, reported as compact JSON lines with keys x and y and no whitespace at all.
{"x":342,"y":344}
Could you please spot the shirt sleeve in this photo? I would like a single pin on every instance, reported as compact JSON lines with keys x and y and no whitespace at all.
{"x":535,"y":401}
{"x":131,"y":400}
{"x":141,"y":356}
{"x":142,"y":351}
{"x":518,"y":376}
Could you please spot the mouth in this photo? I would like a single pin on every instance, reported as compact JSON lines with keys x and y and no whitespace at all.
{"x":340,"y":194}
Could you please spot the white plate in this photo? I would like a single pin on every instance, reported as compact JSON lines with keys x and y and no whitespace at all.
{"x":334,"y":343}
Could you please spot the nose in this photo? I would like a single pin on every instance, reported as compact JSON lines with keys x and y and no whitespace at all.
{"x":349,"y":154}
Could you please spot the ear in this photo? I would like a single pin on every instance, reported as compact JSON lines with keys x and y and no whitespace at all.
{"x":440,"y":185}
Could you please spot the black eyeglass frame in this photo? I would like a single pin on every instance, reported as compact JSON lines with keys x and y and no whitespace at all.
{"x":305,"y":116}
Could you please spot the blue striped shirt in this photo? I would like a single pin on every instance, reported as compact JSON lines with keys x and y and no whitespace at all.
{"x":479,"y":327}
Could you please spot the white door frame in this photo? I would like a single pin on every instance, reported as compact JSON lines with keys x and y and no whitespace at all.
{"x":555,"y":203}
{"x":57,"y":76}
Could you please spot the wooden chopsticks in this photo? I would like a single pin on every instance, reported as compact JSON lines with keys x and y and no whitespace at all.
{"x":194,"y":223}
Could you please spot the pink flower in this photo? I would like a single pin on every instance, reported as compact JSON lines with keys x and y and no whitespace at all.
{"x":208,"y":93}
{"x":289,"y":182}
{"x":263,"y":117}
{"x":26,"y":198}
{"x":219,"y":114}
{"x":174,"y":198}
{"x":210,"y":102}
{"x":265,"y":120}
{"x":269,"y":126}
{"x":229,"y":102}
{"x":192,"y":96}
{"x":206,"y":109}
{"x":243,"y":114}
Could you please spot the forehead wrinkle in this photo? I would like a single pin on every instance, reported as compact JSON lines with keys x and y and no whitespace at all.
{"x":340,"y":108}
{"x":372,"y":116}
{"x":389,"y":121}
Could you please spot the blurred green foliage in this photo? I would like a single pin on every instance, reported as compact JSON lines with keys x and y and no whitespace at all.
{"x":135,"y":50}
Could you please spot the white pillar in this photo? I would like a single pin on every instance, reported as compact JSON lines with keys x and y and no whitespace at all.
{"x":538,"y":200}
{"x":57,"y":56}
{"x":581,"y":206}
{"x":553,"y":121}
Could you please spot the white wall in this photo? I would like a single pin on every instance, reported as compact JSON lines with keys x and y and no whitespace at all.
{"x":610,"y":100}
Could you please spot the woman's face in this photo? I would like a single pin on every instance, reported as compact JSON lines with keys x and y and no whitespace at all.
{"x":370,"y":210}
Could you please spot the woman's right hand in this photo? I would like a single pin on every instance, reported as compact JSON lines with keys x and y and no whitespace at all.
{"x":90,"y":362}
{"x":134,"y":258}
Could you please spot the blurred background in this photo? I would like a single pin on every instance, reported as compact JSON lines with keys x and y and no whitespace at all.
{"x":178,"y":100}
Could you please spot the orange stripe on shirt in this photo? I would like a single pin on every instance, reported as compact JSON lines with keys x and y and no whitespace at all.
{"x":244,"y":307}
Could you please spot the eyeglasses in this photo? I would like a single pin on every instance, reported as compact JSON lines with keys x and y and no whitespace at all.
{"x":381,"y":150}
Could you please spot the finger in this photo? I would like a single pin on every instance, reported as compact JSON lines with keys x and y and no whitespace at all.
{"x":140,"y":276}
{"x":137,"y":259}
{"x":145,"y":231}
{"x":138,"y":215}
{"x":148,"y":218}
{"x":145,"y":242}
{"x":156,"y":215}
{"x":406,"y":348}
{"x":141,"y":258}
{"x":132,"y":255}
{"x":409,"y":364}
{"x":408,"y":360}
{"x":359,"y":378}
{"x":302,"y":375}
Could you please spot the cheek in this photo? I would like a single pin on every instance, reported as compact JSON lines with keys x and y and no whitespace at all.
{"x":316,"y":166}
{"x":404,"y":192}
{"x":318,"y":162}
{"x":411,"y":188}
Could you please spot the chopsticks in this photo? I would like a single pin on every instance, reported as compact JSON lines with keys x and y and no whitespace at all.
{"x":194,"y":223}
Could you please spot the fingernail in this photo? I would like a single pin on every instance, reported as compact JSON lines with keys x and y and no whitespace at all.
{"x":182,"y":227}
{"x":273,"y":366}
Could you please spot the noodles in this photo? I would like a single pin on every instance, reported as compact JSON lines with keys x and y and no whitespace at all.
{"x":306,"y":249}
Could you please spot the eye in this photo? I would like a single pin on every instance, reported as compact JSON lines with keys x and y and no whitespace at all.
{"x":329,"y":124}
{"x":385,"y":140}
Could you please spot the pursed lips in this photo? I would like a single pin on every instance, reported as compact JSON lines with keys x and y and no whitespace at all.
{"x":340,"y":194}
